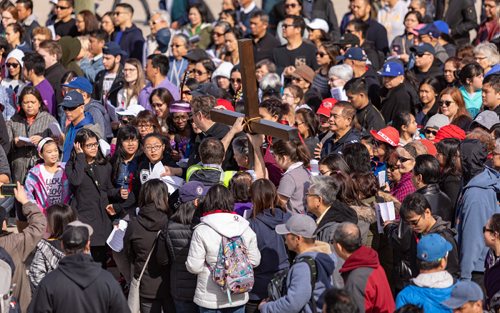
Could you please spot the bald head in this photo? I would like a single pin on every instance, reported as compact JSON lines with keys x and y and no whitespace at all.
{"x":348,"y":236}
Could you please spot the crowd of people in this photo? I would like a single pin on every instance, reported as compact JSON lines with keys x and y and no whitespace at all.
{"x":127,"y":194}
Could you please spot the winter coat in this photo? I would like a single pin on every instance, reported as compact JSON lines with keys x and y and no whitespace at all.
{"x":338,"y":212}
{"x":91,"y":187}
{"x":460,"y":16}
{"x":491,"y":275}
{"x":132,"y":41}
{"x":72,"y":130}
{"x":370,"y":118}
{"x":112,"y":95}
{"x":476,"y":205}
{"x":372,"y":80}
{"x":20,"y":246}
{"x":23,"y":158}
{"x":54,"y":75}
{"x":140,"y":237}
{"x":173,"y":249}
{"x":79,"y":285}
{"x":451,"y":185}
{"x":440,"y":203}
{"x":366,"y":281}
{"x":274,"y":256}
{"x":434,"y":71}
{"x":331,"y":146}
{"x":402,"y":98}
{"x":204,"y":249}
{"x":35,"y":186}
{"x":298,"y":282}
{"x":366,"y":217}
{"x":101,"y":117}
{"x":403,"y":188}
{"x":47,"y":255}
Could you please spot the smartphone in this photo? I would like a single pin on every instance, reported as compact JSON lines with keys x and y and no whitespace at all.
{"x":7,"y":190}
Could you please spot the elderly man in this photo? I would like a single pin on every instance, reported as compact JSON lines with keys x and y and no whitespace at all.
{"x":426,"y":64}
{"x":159,"y":20}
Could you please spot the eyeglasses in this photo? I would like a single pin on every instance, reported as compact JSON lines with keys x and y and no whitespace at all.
{"x":118,"y":13}
{"x":403,"y":159}
{"x":297,"y":124}
{"x":488,"y":230}
{"x":349,"y":31}
{"x":291,"y":5}
{"x":186,"y":92}
{"x":287,"y":25}
{"x":320,"y":54}
{"x":236,"y":80}
{"x":175,"y":46}
{"x":415,"y":223}
{"x":218,"y":34}
{"x":153,"y":148}
{"x":446,"y":103}
{"x":144,"y":125}
{"x":91,"y":145}
{"x":430,"y":131}
{"x":60,"y":7}
{"x":65,"y":109}
{"x":13,"y":65}
{"x":199,"y":73}
{"x":180,"y":118}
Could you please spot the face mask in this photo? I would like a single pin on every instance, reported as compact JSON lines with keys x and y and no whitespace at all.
{"x":338,"y":93}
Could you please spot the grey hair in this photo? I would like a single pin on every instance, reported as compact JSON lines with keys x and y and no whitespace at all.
{"x":421,"y":3}
{"x":342,"y":71}
{"x":325,"y":187}
{"x":164,"y":15}
{"x":270,"y":80}
{"x":348,"y":236}
{"x":183,"y":37}
{"x":490,"y":52}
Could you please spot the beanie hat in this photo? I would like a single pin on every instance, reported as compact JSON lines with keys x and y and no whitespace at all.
{"x":449,"y":131}
{"x":437,"y":121}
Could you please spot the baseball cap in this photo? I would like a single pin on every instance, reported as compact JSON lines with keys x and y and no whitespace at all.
{"x":113,"y":48}
{"x":437,"y":121}
{"x":191,"y":191}
{"x":389,"y":135}
{"x":318,"y":23}
{"x":442,"y":26}
{"x":208,"y":89}
{"x":305,"y":72}
{"x":348,"y":39}
{"x":163,"y":39}
{"x":224,"y":104}
{"x":72,"y":99}
{"x":486,"y":119}
{"x":423,"y":48}
{"x":300,"y":225}
{"x":392,"y":69}
{"x":464,"y":291}
{"x":449,"y":131}
{"x":354,"y":53}
{"x":179,"y":107}
{"x":132,"y":110}
{"x":80,"y":83}
{"x":326,"y":106}
{"x":196,"y":55}
{"x":76,"y":235}
{"x":431,"y":30}
{"x":432,"y":247}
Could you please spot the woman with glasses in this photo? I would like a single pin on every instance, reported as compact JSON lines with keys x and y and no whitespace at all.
{"x":451,"y":104}
{"x":146,"y":123}
{"x":156,"y":149}
{"x":236,"y":85}
{"x":203,"y":71}
{"x":217,"y":49}
{"x":307,"y":125}
{"x":14,"y":65}
{"x":486,"y":54}
{"x":434,"y":124}
{"x":133,"y":75}
{"x":429,"y":105}
{"x":198,"y":30}
{"x":401,"y":165}
{"x":326,"y":58}
{"x":178,"y":64}
{"x":292,"y":96}
{"x":9,"y":16}
{"x":471,"y":77}
{"x":292,"y":7}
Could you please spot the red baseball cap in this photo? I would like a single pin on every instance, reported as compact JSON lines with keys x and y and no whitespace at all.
{"x":389,"y":135}
{"x":326,"y":106}
{"x":226,"y":104}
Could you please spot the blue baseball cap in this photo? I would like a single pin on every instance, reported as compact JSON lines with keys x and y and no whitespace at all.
{"x":392,"y":69}
{"x":355,"y":53}
{"x":423,"y":48}
{"x":432,"y":247}
{"x":431,"y":30}
{"x":464,"y":291}
{"x":73,"y":99}
{"x":114,"y":49}
{"x":192,"y":190}
{"x":442,"y":26}
{"x":80,"y":83}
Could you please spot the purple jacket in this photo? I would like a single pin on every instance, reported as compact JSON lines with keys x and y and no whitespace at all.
{"x":146,"y":92}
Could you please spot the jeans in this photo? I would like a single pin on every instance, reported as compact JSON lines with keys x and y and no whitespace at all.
{"x":185,"y":307}
{"x":155,"y":306}
{"x":237,"y":309}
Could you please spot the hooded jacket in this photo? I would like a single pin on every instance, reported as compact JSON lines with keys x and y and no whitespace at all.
{"x":112,"y":95}
{"x":100,"y":116}
{"x":139,"y":239}
{"x":274,"y":256}
{"x":298,"y":282}
{"x":366,"y":281}
{"x":204,"y":250}
{"x":71,"y":132}
{"x":338,"y":212}
{"x":428,"y":291}
{"x":131,"y":41}
{"x":71,"y":47}
{"x":79,"y":285}
{"x":440,"y":203}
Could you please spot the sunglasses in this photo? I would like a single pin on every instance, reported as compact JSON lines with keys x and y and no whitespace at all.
{"x":403,"y":159}
{"x":70,"y":109}
{"x":488,"y":230}
{"x":59,"y":7}
{"x":13,"y":65}
{"x":446,"y":103}
{"x":291,"y":5}
{"x":237,"y":80}
{"x":198,"y":72}
{"x":430,"y":131}
{"x":218,"y":34}
{"x":320,"y":54}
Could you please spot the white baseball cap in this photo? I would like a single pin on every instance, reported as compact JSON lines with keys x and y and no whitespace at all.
{"x":318,"y":23}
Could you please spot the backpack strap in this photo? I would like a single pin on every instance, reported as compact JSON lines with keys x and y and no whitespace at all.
{"x":314,"y":273}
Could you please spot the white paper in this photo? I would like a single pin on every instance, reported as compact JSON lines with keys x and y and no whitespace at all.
{"x":111,"y":111}
{"x":157,"y":171}
{"x":52,"y":31}
{"x":173,"y":183}
{"x":115,"y":239}
{"x":385,"y":212}
{"x":105,"y":147}
{"x":55,"y":129}
{"x":314,"y":167}
{"x":381,"y":178}
{"x":25,"y":139}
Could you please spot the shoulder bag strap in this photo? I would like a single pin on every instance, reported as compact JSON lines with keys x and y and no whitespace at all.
{"x":149,"y":256}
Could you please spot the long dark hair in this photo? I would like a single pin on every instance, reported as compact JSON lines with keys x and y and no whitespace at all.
{"x":310,"y":120}
{"x":240,"y":186}
{"x":30,"y":90}
{"x":448,"y":148}
{"x":155,"y":192}
{"x":58,"y":216}
{"x":81,"y":137}
{"x":125,"y":132}
{"x":264,"y":196}
{"x":218,"y":198}
{"x":185,"y":213}
{"x":347,"y":192}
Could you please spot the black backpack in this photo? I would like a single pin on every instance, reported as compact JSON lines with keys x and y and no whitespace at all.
{"x":277,"y":286}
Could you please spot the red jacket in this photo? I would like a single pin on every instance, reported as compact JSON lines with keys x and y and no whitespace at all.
{"x":367,"y":283}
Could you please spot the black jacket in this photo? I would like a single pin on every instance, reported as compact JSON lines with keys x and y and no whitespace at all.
{"x":434,"y":71}
{"x":139,"y":238}
{"x":118,"y":84}
{"x":375,"y":56}
{"x":132,"y":42}
{"x":331,"y":146}
{"x":461,"y":17}
{"x":91,"y":186}
{"x":338,"y":212}
{"x":324,"y":10}
{"x":451,"y":185}
{"x":440,"y":204}
{"x":372,"y":80}
{"x":370,"y":118}
{"x":399,"y":99}
{"x":173,"y":250}
{"x":54,"y":75}
{"x":79,"y":285}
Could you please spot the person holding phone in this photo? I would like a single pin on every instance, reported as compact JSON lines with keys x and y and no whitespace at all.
{"x":400,"y":46}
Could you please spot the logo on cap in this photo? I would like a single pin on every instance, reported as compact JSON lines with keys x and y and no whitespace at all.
{"x":199,"y":190}
{"x":68,"y":97}
{"x":388,"y":68}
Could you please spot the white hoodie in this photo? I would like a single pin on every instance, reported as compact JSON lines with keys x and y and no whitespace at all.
{"x":204,"y":248}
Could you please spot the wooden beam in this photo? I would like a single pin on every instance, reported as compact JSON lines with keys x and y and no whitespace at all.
{"x":247,"y":68}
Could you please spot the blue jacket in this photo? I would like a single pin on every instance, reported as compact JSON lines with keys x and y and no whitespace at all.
{"x":477,"y":204}
{"x":425,"y":297}
{"x":298,"y":283}
{"x":272,"y":249}
{"x":130,"y":40}
{"x":71,"y":134}
{"x":90,"y":68}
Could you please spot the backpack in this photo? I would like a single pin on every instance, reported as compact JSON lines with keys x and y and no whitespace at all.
{"x":8,"y":303}
{"x":277,"y":286}
{"x":233,"y":271}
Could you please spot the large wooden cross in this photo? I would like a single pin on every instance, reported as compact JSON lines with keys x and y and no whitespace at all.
{"x":250,"y":96}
